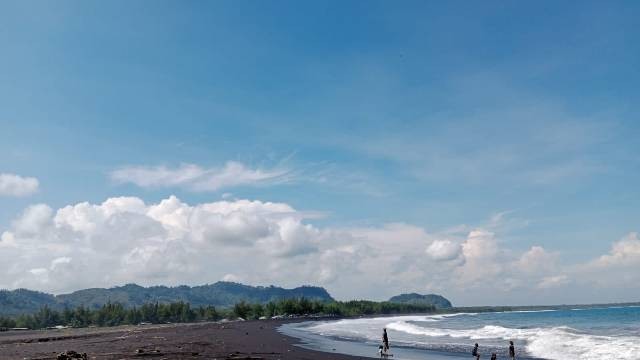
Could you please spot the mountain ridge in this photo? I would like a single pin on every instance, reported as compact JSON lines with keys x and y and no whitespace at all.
{"x":221,"y":294}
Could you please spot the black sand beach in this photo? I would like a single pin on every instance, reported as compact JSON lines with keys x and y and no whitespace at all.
{"x":232,"y":340}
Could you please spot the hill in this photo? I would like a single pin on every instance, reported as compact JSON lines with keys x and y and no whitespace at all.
{"x":23,"y":301}
{"x":438,"y":301}
{"x":220,"y":294}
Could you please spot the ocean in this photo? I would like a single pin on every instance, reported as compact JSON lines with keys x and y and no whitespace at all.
{"x":580,"y":334}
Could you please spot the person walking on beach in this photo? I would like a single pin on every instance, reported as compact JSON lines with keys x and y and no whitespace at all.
{"x":494,"y":356}
{"x":385,"y":340}
{"x":512,"y":351}
{"x":475,"y":352}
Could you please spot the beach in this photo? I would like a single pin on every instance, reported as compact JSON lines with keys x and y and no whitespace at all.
{"x":574,"y":334}
{"x":231,"y":340}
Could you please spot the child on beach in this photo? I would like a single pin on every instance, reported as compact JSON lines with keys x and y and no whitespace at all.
{"x":512,"y":351}
{"x":383,"y":353}
{"x":494,"y":356}
{"x":475,"y":352}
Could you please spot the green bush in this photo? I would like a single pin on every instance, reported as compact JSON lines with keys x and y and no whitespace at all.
{"x":113,"y":314}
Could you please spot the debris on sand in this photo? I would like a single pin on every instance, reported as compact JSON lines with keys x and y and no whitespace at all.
{"x":236,"y":355}
{"x":142,"y":352}
{"x":70,"y":355}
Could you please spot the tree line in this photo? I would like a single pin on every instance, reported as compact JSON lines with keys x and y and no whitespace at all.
{"x":113,"y":314}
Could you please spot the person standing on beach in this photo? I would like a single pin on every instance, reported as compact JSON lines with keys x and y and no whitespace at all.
{"x":512,"y":351}
{"x":475,"y":352}
{"x":385,"y":340}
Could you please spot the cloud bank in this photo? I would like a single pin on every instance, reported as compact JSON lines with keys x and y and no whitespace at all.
{"x":171,"y":242}
{"x":16,"y":185}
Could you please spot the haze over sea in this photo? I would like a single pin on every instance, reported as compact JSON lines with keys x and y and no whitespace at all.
{"x":584,"y":334}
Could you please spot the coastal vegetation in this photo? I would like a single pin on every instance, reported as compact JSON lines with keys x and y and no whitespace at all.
{"x":113,"y":314}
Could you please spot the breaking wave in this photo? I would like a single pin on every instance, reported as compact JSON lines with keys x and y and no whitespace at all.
{"x":549,"y":343}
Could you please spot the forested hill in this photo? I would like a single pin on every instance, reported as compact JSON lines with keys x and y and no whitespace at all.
{"x":221,"y":294}
{"x":24,"y":301}
{"x":438,"y":301}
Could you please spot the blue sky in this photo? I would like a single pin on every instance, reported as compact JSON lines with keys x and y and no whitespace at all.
{"x":438,"y":116}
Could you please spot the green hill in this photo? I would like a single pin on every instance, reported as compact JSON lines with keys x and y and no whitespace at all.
{"x":23,"y":301}
{"x":220,"y":294}
{"x":438,"y":301}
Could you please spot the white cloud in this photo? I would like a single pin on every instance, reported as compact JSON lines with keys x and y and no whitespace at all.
{"x":33,"y":220}
{"x":444,"y":250}
{"x":170,"y":242}
{"x":16,"y":185}
{"x":482,"y":259}
{"x":125,"y":240}
{"x":619,"y":268}
{"x":536,"y":261}
{"x":553,"y":281}
{"x":39,"y":271}
{"x":231,"y":277}
{"x":625,"y":252}
{"x":197,"y":178}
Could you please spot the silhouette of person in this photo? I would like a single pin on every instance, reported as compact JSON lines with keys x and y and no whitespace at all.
{"x":385,"y":340}
{"x":475,"y":352}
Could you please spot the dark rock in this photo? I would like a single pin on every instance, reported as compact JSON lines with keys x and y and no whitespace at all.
{"x":70,"y":355}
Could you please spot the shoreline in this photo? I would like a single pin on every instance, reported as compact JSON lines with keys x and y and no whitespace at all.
{"x":255,"y":340}
{"x":366,"y":350}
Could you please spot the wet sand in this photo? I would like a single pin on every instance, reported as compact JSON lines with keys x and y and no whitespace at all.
{"x":367,"y":349}
{"x":233,"y":340}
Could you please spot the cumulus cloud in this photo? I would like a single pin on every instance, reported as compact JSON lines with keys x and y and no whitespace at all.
{"x":170,"y":242}
{"x":444,"y":250}
{"x":536,"y":260}
{"x":123,"y":239}
{"x":481,"y":252}
{"x":624,"y":252}
{"x":553,"y":281}
{"x":617,"y":268}
{"x":16,"y":185}
{"x":197,"y":178}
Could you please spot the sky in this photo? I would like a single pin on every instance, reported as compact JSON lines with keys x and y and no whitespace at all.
{"x":485,"y":151}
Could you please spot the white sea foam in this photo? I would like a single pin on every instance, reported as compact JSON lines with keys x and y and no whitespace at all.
{"x":444,"y":316}
{"x":377,"y":322}
{"x":549,"y":343}
{"x":532,"y":311}
{"x":553,"y":343}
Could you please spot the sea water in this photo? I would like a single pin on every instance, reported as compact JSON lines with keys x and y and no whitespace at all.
{"x":580,"y":334}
